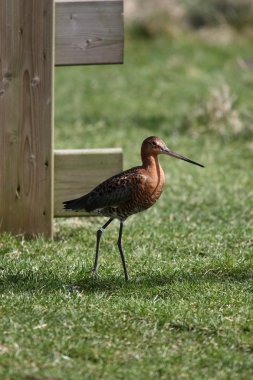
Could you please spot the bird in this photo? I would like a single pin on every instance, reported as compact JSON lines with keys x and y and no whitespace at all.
{"x":127,"y":193}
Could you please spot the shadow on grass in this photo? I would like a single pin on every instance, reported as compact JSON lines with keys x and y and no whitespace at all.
{"x":49,"y":282}
{"x":148,"y":281}
{"x":113,"y":283}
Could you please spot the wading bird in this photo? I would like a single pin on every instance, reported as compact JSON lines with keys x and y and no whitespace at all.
{"x":127,"y":193}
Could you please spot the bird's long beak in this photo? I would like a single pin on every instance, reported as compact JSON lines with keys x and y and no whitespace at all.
{"x":177,"y":155}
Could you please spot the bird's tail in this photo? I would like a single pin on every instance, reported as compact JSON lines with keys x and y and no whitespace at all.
{"x":75,"y":204}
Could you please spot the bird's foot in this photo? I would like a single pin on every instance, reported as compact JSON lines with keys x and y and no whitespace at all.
{"x":94,"y":275}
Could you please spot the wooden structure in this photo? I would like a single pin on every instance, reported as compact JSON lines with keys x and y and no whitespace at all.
{"x":35,"y":35}
{"x":97,"y":164}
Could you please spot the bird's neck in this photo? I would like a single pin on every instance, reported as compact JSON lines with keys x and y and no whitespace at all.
{"x":151,"y":163}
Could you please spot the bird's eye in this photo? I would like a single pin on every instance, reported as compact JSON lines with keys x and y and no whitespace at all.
{"x":154,"y":143}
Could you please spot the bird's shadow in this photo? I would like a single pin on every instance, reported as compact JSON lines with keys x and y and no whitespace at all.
{"x":48,"y":282}
{"x":144,"y":281}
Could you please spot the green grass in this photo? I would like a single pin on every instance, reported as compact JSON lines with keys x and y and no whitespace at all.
{"x":187,"y":311}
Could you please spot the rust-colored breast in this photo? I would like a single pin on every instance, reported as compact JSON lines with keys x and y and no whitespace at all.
{"x":152,"y":186}
{"x":146,"y":189}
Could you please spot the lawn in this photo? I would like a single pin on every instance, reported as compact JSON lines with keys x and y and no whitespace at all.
{"x":187,"y":311}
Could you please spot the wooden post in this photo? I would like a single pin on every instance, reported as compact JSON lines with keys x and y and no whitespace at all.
{"x":26,"y":111}
{"x":88,"y":32}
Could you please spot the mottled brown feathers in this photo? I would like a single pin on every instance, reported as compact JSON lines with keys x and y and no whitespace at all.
{"x":112,"y":192}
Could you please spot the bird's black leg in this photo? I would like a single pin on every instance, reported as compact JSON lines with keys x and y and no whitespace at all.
{"x":99,"y":234}
{"x":121,"y":250}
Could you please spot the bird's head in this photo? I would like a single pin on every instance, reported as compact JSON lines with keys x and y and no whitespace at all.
{"x":154,"y":145}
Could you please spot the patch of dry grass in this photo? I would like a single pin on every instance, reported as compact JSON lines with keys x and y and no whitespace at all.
{"x":148,"y":18}
{"x":218,"y":112}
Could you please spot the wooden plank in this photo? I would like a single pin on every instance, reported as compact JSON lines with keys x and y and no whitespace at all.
{"x":26,"y":160}
{"x":79,"y":171}
{"x":89,"y":32}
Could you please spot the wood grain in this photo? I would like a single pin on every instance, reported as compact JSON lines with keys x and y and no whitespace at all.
{"x":26,"y":160}
{"x":89,"y":32}
{"x":79,"y":171}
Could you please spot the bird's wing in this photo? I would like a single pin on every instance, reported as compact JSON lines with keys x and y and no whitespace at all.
{"x":115,"y":190}
{"x":112,"y":192}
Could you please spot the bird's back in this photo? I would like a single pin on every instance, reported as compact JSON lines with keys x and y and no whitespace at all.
{"x":112,"y":192}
